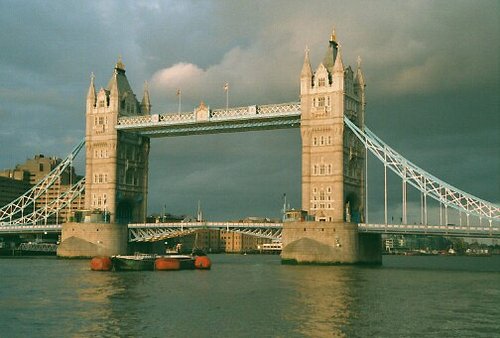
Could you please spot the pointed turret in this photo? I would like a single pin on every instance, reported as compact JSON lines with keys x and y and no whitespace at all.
{"x":306,"y":66}
{"x":91,"y":96}
{"x":118,"y":85}
{"x":360,"y":79}
{"x":338,"y":66}
{"x":331,"y":53}
{"x":306,"y":73}
{"x":146,"y":103}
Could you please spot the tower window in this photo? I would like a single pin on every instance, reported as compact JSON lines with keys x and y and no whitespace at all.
{"x":321,"y":82}
{"x":321,"y":101}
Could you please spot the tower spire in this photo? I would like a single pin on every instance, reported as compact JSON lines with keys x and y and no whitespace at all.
{"x":331,"y":53}
{"x":146,"y":103}
{"x":333,"y":37}
{"x":91,"y":92}
{"x":338,"y":66}
{"x":306,"y":66}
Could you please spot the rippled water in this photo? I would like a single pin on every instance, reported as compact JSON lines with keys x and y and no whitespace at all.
{"x":253,"y":296}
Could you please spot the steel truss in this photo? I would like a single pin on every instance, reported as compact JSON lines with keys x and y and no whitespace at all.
{"x":428,"y":184}
{"x":24,"y":206}
{"x":147,"y":232}
{"x":41,"y":215}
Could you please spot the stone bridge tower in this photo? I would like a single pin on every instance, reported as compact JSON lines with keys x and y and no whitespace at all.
{"x":333,"y":168}
{"x":332,"y":157}
{"x":116,"y":175}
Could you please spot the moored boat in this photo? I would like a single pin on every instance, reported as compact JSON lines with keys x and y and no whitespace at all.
{"x":150,"y":262}
{"x":137,"y":262}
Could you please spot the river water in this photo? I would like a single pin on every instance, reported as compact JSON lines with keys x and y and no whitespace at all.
{"x":253,"y":296}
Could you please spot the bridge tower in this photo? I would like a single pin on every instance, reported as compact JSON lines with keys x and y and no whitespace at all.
{"x":332,"y":156}
{"x":116,"y":173}
{"x":333,"y":166}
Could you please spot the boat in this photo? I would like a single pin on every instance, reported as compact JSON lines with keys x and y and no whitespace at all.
{"x":151,"y":262}
{"x":137,"y":262}
{"x":147,"y":262}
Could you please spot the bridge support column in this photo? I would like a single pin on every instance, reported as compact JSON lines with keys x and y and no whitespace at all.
{"x":329,"y":243}
{"x":82,"y":240}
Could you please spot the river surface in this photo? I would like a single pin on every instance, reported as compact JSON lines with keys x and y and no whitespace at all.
{"x":253,"y":296}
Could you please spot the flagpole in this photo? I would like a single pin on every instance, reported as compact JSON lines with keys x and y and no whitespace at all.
{"x":226,"y":88}
{"x":179,"y":94}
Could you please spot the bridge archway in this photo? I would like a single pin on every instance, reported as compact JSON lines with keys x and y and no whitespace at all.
{"x":125,"y":211}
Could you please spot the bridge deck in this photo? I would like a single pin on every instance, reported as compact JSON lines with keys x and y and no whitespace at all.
{"x":273,"y":230}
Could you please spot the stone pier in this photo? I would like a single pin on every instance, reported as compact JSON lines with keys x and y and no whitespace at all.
{"x":329,"y":243}
{"x":82,"y":240}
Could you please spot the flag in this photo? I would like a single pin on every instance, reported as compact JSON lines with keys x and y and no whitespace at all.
{"x":226,"y":87}
{"x":178,"y":92}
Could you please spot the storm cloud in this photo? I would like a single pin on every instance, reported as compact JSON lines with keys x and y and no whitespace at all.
{"x":431,"y":69}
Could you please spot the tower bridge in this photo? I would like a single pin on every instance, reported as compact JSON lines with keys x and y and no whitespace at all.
{"x":335,"y":145}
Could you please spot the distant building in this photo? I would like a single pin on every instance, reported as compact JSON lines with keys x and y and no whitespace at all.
{"x":15,"y":182}
{"x":11,"y":188}
{"x":234,"y":242}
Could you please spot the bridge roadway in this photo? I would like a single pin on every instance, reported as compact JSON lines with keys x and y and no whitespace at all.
{"x":141,"y":232}
{"x":206,"y":121}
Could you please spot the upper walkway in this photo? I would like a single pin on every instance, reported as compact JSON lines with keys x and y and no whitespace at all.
{"x":205,"y":121}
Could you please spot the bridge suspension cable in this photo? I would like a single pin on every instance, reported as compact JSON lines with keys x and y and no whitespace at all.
{"x":24,"y":207}
{"x":428,"y":184}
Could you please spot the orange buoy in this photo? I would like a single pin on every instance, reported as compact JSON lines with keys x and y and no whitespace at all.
{"x":165,"y":264}
{"x":202,"y":262}
{"x":101,"y":263}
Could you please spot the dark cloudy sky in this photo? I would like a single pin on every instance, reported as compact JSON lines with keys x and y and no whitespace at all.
{"x":432,"y":72}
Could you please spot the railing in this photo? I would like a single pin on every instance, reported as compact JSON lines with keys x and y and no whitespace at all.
{"x":420,"y":229}
{"x":216,"y":115}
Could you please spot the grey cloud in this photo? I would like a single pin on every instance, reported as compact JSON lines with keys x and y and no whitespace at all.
{"x":431,"y":70}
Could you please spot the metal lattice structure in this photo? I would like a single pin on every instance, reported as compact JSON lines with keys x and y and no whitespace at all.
{"x":42,"y":214}
{"x":23,"y":210}
{"x":158,"y":231}
{"x":273,"y":116}
{"x":428,"y":184}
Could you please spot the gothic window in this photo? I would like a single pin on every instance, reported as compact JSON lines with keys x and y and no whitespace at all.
{"x":101,"y":103}
{"x":322,"y":169}
{"x":322,"y":195}
{"x":314,"y":102}
{"x":329,"y":140}
{"x":321,"y":101}
{"x":322,"y":140}
{"x":315,"y":141}
{"x":328,"y":101}
{"x":328,"y":189}
{"x":104,"y":199}
{"x":315,"y":169}
{"x":321,"y":82}
{"x":329,"y":169}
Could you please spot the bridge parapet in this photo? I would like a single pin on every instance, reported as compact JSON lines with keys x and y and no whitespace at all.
{"x":222,"y":114}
